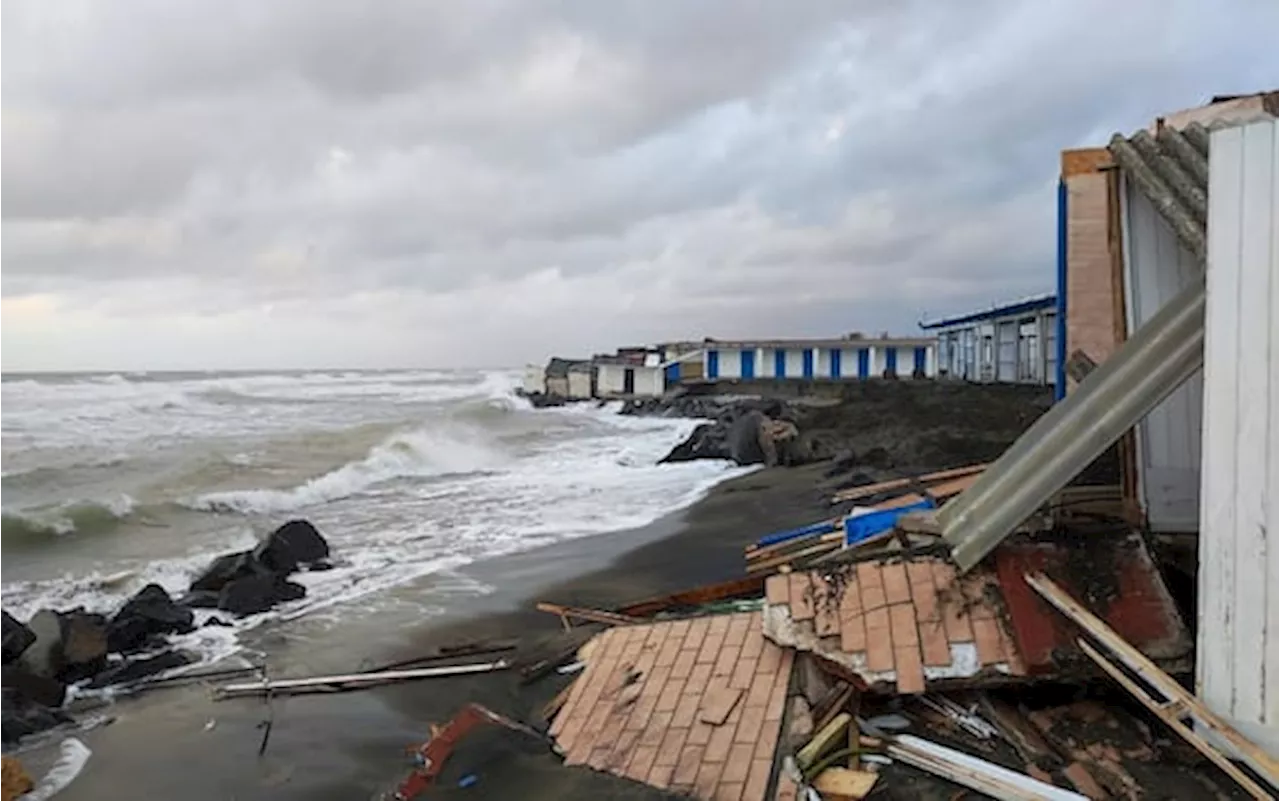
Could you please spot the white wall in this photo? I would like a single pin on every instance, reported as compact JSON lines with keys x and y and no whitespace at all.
{"x":822,"y":363}
{"x":535,"y":379}
{"x":579,"y":385}
{"x":795,"y":362}
{"x":610,"y":379}
{"x":1157,"y":267}
{"x":1237,"y":643}
{"x":650,"y":381}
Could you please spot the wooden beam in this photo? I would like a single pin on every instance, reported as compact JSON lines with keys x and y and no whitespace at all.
{"x":867,"y":490}
{"x":594,"y":615}
{"x":1083,"y":160}
{"x":785,"y":559}
{"x":824,"y":740}
{"x":751,"y":585}
{"x":1135,"y":660}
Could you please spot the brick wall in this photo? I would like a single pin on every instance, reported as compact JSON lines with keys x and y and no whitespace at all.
{"x":1092,"y":319}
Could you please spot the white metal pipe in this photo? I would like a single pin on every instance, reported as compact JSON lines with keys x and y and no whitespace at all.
{"x":262,"y":687}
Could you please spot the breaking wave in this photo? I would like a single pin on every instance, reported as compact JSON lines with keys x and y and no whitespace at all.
{"x":33,"y":527}
{"x":404,"y":455}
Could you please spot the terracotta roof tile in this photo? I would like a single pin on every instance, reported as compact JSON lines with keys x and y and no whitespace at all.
{"x":801,"y":596}
{"x":777,"y":588}
{"x":896,"y":587}
{"x":687,"y":767}
{"x":879,"y":641}
{"x":902,"y":619}
{"x":757,"y":780}
{"x":986,"y":635}
{"x":871,"y":586}
{"x":910,"y":674}
{"x":826,"y":607}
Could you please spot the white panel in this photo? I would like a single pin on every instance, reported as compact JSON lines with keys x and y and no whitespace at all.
{"x":609,"y":380}
{"x":822,"y":363}
{"x":535,"y":379}
{"x":1237,"y":643}
{"x":795,"y":363}
{"x":579,"y":385}
{"x":1007,"y":351}
{"x":1157,"y":267}
{"x":649,"y":381}
{"x":731,"y":363}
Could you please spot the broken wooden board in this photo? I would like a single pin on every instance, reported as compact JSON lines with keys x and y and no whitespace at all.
{"x":825,"y":740}
{"x":697,"y":596}
{"x":593,"y":615}
{"x":868,"y":490}
{"x":844,"y":783}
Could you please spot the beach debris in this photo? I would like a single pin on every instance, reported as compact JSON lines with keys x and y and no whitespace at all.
{"x":966,"y":719}
{"x":572,"y":667}
{"x":72,"y":757}
{"x":211,"y":724}
{"x":133,"y":670}
{"x":1167,"y":699}
{"x":149,"y":613}
{"x":845,"y":782}
{"x":568,"y":613}
{"x":697,"y":597}
{"x":17,"y":637}
{"x":351,"y":681}
{"x":14,"y":779}
{"x":910,"y":482}
{"x":430,"y":756}
{"x":972,"y":772}
{"x":825,"y":740}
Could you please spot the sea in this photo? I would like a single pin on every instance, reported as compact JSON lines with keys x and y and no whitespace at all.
{"x":112,"y":481}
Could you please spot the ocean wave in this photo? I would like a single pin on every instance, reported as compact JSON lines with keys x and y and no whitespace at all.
{"x":36,"y":527}
{"x":405,"y":455}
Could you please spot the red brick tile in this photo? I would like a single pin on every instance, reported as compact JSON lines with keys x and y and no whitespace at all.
{"x":853,"y":634}
{"x":754,"y":643}
{"x":975,"y":591}
{"x":801,"y":597}
{"x":623,"y":750}
{"x":757,"y":780}
{"x":655,"y":731}
{"x":719,"y":624}
{"x":986,"y":636}
{"x":777,"y":589}
{"x":934,"y":649}
{"x":906,"y":663}
{"x":954,"y":617}
{"x":896,"y":587}
{"x":700,"y":733}
{"x":758,"y":692}
{"x":871,"y":586}
{"x":669,"y":750}
{"x":660,"y":776}
{"x":727,"y":659}
{"x":720,"y":743}
{"x":750,"y":725}
{"x":767,"y":742}
{"x":925,"y":597}
{"x":879,"y":641}
{"x":667,"y":654}
{"x":711,"y":645}
{"x":728,"y":791}
{"x":920,"y":571}
{"x":641,"y":763}
{"x":683,"y":664}
{"x":708,"y":777}
{"x":686,"y":710}
{"x":778,"y":692}
{"x":944,"y":574}
{"x":739,"y":763}
{"x":737,"y":632}
{"x":698,"y":678}
{"x":640,"y":712}
{"x":902,"y":619}
{"x":697,"y":631}
{"x":770,"y":657}
{"x":687,"y":766}
{"x":671,"y":694}
{"x":657,"y":633}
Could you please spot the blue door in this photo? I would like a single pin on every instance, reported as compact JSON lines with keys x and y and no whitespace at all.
{"x":864,"y":362}
{"x":807,"y":366}
{"x":673,"y":373}
{"x":835,"y":362}
{"x":748,"y":364}
{"x":713,"y":364}
{"x":920,"y":360}
{"x":891,"y":362}
{"x":780,"y":363}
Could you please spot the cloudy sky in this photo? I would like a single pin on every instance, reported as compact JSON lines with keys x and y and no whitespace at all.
{"x":315,"y":183}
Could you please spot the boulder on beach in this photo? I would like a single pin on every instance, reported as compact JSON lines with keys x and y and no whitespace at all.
{"x":21,"y":716}
{"x":43,"y":657}
{"x":253,"y":594}
{"x":745,"y":437}
{"x":41,"y":690}
{"x":146,"y":616}
{"x":84,"y":644}
{"x":16,"y":638}
{"x":131,"y":670}
{"x":225,"y":569}
{"x":294,"y":545}
{"x":199,"y":599}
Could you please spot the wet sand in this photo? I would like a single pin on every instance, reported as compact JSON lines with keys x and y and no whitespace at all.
{"x":179,"y":743}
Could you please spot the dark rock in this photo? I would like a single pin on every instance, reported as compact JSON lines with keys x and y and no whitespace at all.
{"x":16,"y":638}
{"x":253,"y":594}
{"x":842,"y":463}
{"x":149,"y":613}
{"x":216,"y":621}
{"x":132,"y":670}
{"x":744,"y":439}
{"x":707,"y":441}
{"x":199,"y":599}
{"x":227,"y":568}
{"x":21,"y":717}
{"x":84,"y":644}
{"x":541,"y":400}
{"x":294,"y":544}
{"x":318,"y":567}
{"x":42,"y":690}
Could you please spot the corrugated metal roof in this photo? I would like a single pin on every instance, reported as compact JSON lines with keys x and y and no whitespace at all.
{"x":1032,"y":303}
{"x":1171,"y":169}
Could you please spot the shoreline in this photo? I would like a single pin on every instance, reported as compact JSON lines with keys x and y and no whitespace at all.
{"x":352,"y":744}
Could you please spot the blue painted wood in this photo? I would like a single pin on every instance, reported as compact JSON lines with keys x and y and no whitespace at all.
{"x":864,"y":363}
{"x":861,"y":527}
{"x":834,"y":355}
{"x":780,"y":364}
{"x":672,"y":373}
{"x":807,"y":366}
{"x":748,"y":364}
{"x":921,"y":360}
{"x":891,"y":361}
{"x":713,"y":364}
{"x":824,"y":527}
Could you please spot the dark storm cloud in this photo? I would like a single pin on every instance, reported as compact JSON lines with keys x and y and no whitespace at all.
{"x":613,"y":171}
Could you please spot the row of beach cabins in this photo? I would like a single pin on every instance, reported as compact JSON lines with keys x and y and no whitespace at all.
{"x":1012,"y":343}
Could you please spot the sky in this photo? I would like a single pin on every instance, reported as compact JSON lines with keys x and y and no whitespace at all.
{"x":321,"y":183}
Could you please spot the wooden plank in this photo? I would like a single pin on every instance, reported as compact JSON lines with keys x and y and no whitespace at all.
{"x":778,"y":561}
{"x":718,"y":702}
{"x":867,"y":490}
{"x":909,"y":499}
{"x":1136,"y":661}
{"x":1085,"y":160}
{"x":696,"y":596}
{"x":845,"y":783}
{"x":594,"y":615}
{"x":951,"y":488}
{"x":824,"y":740}
{"x":1172,"y":718}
